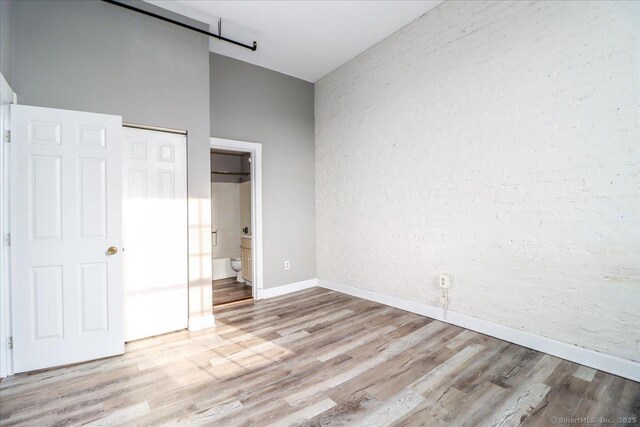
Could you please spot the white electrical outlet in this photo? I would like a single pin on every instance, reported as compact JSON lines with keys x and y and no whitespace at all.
{"x":287,"y":265}
{"x":444,"y":281}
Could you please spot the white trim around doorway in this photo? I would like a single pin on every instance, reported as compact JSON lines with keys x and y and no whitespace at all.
{"x":7,"y":97}
{"x":255,"y":150}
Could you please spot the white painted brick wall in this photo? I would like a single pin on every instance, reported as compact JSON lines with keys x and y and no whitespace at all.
{"x":497,"y":142}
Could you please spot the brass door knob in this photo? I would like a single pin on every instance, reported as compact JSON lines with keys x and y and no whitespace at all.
{"x":112,"y":250}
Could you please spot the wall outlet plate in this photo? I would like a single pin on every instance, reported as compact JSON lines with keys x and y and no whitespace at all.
{"x":287,"y":265}
{"x":444,"y":281}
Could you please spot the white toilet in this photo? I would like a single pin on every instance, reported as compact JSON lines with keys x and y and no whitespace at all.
{"x":236,"y":265}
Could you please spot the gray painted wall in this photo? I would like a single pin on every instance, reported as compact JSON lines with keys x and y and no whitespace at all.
{"x":93,"y":56}
{"x":251,"y":103}
{"x":5,"y":39}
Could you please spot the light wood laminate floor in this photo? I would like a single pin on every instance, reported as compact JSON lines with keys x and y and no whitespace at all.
{"x":229,"y":290}
{"x":319,"y":357}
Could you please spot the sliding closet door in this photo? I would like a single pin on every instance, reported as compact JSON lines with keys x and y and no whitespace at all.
{"x":155,"y":233}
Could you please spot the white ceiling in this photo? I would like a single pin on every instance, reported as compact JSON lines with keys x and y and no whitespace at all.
{"x":305,"y":39}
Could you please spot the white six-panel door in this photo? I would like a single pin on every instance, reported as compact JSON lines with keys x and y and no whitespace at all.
{"x":66,"y":186}
{"x":155,"y":233}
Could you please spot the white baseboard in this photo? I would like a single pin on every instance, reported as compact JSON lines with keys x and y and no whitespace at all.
{"x":601,"y":361}
{"x":201,"y":322}
{"x":287,"y":289}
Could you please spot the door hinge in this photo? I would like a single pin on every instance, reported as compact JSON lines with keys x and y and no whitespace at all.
{"x":7,"y":238}
{"x":7,"y":136}
{"x":10,"y":343}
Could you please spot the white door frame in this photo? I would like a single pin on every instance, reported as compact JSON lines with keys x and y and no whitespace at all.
{"x":7,"y":97}
{"x":255,"y":150}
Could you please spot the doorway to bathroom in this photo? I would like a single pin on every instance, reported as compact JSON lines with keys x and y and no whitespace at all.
{"x":235,"y":222}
